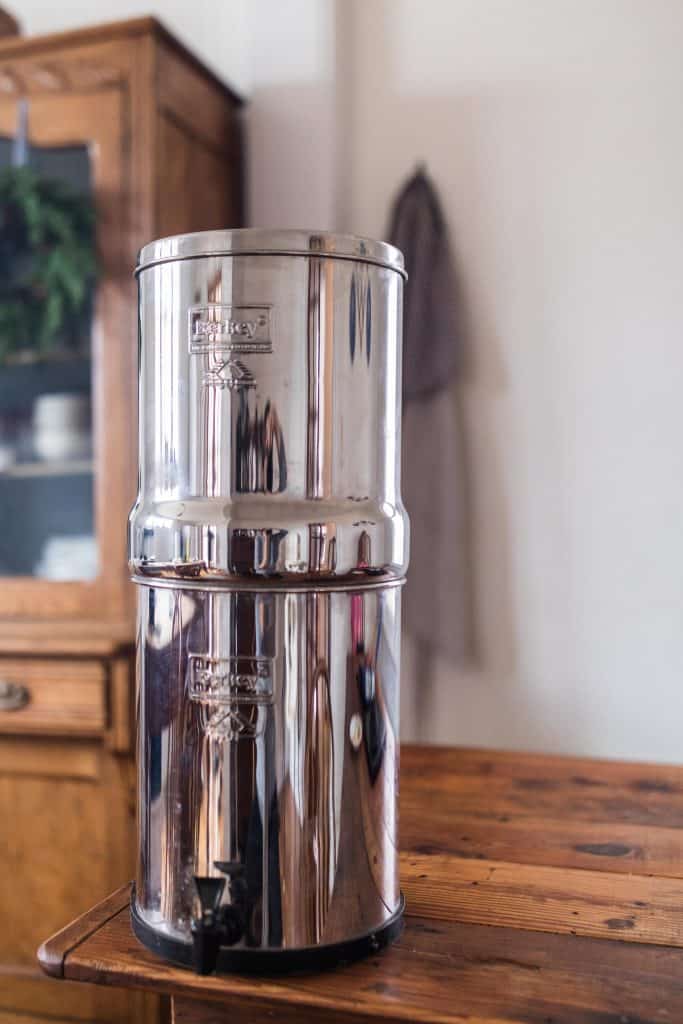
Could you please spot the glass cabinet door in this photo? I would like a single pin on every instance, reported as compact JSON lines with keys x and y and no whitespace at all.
{"x":46,"y":446}
{"x":67,"y":394}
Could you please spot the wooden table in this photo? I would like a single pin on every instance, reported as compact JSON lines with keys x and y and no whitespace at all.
{"x":540,"y":890}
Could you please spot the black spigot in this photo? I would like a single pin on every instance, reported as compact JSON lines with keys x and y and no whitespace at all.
{"x":218,"y":924}
{"x":206,"y":931}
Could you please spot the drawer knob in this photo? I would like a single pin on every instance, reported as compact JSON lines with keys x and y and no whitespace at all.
{"x":13,"y":696}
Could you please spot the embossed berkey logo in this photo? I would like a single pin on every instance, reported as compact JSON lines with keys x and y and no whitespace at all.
{"x":226,"y":372}
{"x":236,"y":680}
{"x":235,"y":723}
{"x":234,"y":693}
{"x":227,"y":328}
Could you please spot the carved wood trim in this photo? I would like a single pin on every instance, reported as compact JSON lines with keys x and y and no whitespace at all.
{"x":40,"y":48}
{"x":27,"y":78}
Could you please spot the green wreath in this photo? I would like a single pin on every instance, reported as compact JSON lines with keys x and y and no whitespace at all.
{"x":47,"y":262}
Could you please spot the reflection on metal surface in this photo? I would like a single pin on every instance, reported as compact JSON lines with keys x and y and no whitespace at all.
{"x":261,"y":460}
{"x":319,"y":378}
{"x":319,"y":810}
{"x":360,"y":314}
{"x":356,"y":731}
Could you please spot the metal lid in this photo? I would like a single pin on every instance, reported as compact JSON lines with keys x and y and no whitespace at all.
{"x":258,"y":241}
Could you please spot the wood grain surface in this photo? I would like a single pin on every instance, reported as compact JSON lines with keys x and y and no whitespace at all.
{"x":53,"y":953}
{"x":567,"y":924}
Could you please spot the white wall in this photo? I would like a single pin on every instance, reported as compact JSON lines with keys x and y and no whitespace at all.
{"x":554,"y":133}
{"x":295,"y":109}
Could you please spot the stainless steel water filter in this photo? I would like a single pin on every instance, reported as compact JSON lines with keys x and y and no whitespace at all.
{"x":269,"y":544}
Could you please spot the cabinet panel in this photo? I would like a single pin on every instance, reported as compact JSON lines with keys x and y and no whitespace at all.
{"x":200,"y":185}
{"x":56,"y":853}
{"x":66,"y":809}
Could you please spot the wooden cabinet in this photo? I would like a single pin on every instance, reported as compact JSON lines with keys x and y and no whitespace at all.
{"x":158,"y":140}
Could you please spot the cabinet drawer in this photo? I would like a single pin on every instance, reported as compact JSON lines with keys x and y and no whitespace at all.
{"x":44,"y":697}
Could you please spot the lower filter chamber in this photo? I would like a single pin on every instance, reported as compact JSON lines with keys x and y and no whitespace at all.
{"x":268,"y":756}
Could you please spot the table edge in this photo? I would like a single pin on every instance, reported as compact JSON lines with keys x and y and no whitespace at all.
{"x":52,"y":953}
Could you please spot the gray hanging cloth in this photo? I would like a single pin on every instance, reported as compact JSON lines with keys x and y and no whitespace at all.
{"x":437,"y":609}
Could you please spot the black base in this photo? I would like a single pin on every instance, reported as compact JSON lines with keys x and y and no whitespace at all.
{"x":270,"y":961}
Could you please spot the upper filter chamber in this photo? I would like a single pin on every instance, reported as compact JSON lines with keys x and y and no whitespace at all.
{"x":270,"y":384}
{"x":270,"y":543}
